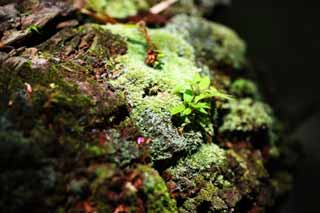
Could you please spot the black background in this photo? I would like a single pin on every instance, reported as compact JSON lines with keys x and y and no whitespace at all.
{"x":283,"y":40}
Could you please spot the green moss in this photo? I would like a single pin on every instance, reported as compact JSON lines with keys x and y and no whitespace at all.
{"x":158,"y":198}
{"x":75,"y":134}
{"x":166,"y":141}
{"x":217,"y":180}
{"x":135,"y":189}
{"x":215,"y":45}
{"x":202,"y":160}
{"x":146,"y":87}
{"x":247,"y":115}
{"x":117,"y":8}
{"x":244,"y":88}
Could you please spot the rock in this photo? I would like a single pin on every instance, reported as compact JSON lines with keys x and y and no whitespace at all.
{"x":86,"y":117}
{"x":22,"y":20}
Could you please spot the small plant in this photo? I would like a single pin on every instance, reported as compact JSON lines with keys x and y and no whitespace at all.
{"x":34,"y":28}
{"x":196,"y":110}
{"x":153,"y":54}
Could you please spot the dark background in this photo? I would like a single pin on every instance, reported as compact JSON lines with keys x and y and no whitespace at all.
{"x":283,"y":40}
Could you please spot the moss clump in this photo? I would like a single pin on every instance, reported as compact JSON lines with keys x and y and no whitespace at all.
{"x":216,"y":46}
{"x":139,"y":189}
{"x":150,"y":88}
{"x":247,"y":115}
{"x":117,"y":8}
{"x":244,"y":88}
{"x":166,"y":142}
{"x":207,"y":155}
{"x":158,"y":198}
{"x":209,"y":181}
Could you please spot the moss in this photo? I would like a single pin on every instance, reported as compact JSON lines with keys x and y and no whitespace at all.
{"x":216,"y":45}
{"x":166,"y":143}
{"x":117,"y":8}
{"x":126,"y":8}
{"x":244,"y":88}
{"x":135,"y":189}
{"x":247,"y":115}
{"x":72,"y":109}
{"x":117,"y":148}
{"x":150,"y":88}
{"x":217,"y":180}
{"x":158,"y":198}
{"x":59,"y":115}
{"x":207,"y":155}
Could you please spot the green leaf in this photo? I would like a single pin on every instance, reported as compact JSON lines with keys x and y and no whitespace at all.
{"x":177,"y":109}
{"x":216,"y":93}
{"x":200,"y":105}
{"x":180,"y":88}
{"x":202,"y":110}
{"x":196,"y":78}
{"x":186,"y":112}
{"x":33,"y":28}
{"x":204,"y":83}
{"x":187,"y":96}
{"x":202,"y":96}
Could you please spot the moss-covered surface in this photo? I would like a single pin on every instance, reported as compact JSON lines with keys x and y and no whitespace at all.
{"x":126,"y":8}
{"x":215,"y":45}
{"x":86,"y":123}
{"x":117,"y":8}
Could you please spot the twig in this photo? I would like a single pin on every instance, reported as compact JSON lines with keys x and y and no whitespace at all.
{"x":158,"y":8}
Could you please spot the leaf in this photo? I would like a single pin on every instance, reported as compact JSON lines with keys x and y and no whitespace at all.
{"x":186,"y":112}
{"x":202,"y":110}
{"x":187,"y":96}
{"x":180,"y":88}
{"x":178,"y":109}
{"x":216,"y":93}
{"x":204,"y":83}
{"x":202,"y":96}
{"x":196,"y":78}
{"x":200,"y":105}
{"x":33,"y":28}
